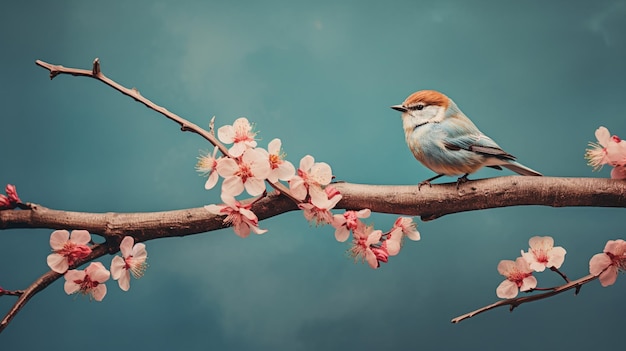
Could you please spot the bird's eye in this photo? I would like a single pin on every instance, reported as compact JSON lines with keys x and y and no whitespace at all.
{"x":418,"y":107}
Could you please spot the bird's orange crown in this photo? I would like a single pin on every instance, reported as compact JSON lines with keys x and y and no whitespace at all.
{"x":427,"y":97}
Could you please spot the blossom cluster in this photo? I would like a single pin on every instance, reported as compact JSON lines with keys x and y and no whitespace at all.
{"x":247,"y":167}
{"x":542,"y":254}
{"x":369,"y":245}
{"x":519,"y":273}
{"x":609,"y":149}
{"x":69,"y":248}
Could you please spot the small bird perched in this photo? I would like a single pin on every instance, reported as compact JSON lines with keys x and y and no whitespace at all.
{"x":443,"y":139}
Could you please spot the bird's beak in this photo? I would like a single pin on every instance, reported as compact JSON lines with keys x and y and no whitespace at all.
{"x":399,"y":108}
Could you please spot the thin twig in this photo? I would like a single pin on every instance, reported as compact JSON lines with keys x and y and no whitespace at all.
{"x":513,"y":303}
{"x":185,"y":125}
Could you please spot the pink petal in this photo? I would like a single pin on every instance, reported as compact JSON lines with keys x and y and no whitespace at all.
{"x":226,"y":134}
{"x":598,"y":263}
{"x":306,"y":163}
{"x":615,"y":247}
{"x":556,"y":257}
{"x":274,"y":146}
{"x":212,"y":180}
{"x":248,"y":214}
{"x":139,"y":252}
{"x":619,"y":172}
{"x":124,"y":281}
{"x":364,"y":213}
{"x":58,"y":238}
{"x":297,"y":188}
{"x":232,"y":186}
{"x":541,"y":242}
{"x":117,"y":267}
{"x":254,"y":186}
{"x":242,"y":229}
{"x":603,"y":136}
{"x":342,"y":233}
{"x":609,"y":276}
{"x":285,"y":171}
{"x":321,"y":173}
{"x":98,"y":292}
{"x":97,"y":272}
{"x":507,"y":289}
{"x":70,"y":287}
{"x":57,"y":263}
{"x":258,"y":230}
{"x":393,"y":243}
{"x":413,"y":235}
{"x":258,"y":161}
{"x":81,"y":237}
{"x":318,"y":197}
{"x":227,"y":167}
{"x":505,"y":267}
{"x":370,"y":257}
{"x":373,"y":237}
{"x":215,"y":209}
{"x":126,"y":246}
{"x":237,"y":149}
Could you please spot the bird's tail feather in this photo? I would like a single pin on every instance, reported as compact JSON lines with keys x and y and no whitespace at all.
{"x":520,"y":169}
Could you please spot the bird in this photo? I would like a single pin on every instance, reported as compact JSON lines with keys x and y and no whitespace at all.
{"x":446,"y":141}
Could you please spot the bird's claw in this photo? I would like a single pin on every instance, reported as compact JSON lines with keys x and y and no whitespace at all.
{"x":425,"y":182}
{"x":461,"y":180}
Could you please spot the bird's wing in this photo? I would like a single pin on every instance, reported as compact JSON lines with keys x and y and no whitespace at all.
{"x":478,"y":143}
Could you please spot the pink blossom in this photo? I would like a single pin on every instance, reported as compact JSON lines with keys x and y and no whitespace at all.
{"x":321,"y":215}
{"x":347,"y":221}
{"x":310,"y":179}
{"x":240,"y":133}
{"x":608,"y":150}
{"x":249,"y":172}
{"x":363,"y":239}
{"x":133,"y":260}
{"x":207,"y":165}
{"x":237,"y":215}
{"x":542,"y":254}
{"x":90,"y":281}
{"x":518,"y":276}
{"x":12,"y":194}
{"x":280,"y":168}
{"x":610,"y":262}
{"x":68,"y":250}
{"x":403,"y":226}
{"x":10,"y":200}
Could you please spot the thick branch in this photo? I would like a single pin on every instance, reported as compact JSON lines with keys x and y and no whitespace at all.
{"x":429,"y":203}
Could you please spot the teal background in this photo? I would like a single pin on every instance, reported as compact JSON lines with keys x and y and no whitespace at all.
{"x":537,"y":76}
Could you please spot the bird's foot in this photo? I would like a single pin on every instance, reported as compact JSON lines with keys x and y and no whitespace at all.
{"x":461,"y":180}
{"x":425,"y":182}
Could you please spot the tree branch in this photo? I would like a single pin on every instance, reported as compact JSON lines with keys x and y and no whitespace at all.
{"x":513,"y":303}
{"x":429,"y":203}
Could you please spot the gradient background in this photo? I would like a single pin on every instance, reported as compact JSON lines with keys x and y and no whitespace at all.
{"x":537,"y":76}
